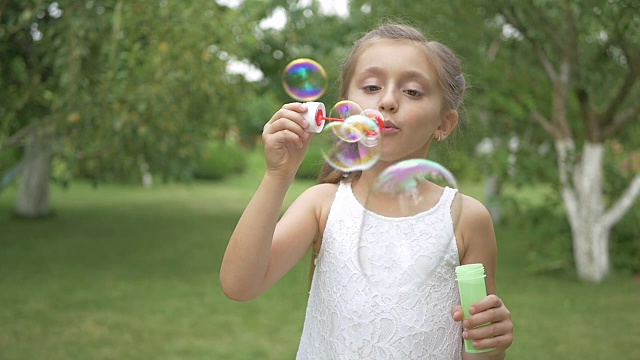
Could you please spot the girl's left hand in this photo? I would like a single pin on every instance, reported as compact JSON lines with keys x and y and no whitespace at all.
{"x":498,"y":334}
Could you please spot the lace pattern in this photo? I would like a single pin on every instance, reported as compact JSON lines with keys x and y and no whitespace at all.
{"x":355,"y":313}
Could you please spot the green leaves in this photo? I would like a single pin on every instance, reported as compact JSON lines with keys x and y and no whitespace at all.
{"x":121,"y":83}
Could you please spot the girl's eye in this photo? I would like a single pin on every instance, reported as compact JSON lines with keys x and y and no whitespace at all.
{"x":412,"y":93}
{"x":372,"y":88}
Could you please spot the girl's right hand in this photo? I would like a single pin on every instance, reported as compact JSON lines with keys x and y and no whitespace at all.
{"x":285,"y":140}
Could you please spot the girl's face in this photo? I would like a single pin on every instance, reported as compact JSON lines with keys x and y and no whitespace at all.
{"x":395,"y":78}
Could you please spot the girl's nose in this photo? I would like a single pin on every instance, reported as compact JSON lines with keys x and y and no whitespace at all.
{"x":388,"y":102}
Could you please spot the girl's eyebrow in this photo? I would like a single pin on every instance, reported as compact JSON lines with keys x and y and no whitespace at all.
{"x":408,"y":74}
{"x":371,"y":70}
{"x":417,"y":75}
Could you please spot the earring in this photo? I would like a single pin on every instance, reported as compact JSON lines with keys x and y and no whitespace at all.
{"x":440,"y":136}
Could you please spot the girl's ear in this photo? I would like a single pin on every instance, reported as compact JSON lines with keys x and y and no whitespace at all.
{"x":448,"y":124}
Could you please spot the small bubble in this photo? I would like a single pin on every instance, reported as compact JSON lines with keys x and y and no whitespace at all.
{"x":304,"y":79}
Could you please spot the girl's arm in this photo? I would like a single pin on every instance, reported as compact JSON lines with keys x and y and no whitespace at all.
{"x":478,"y":245}
{"x":260,"y":250}
{"x":263,"y":249}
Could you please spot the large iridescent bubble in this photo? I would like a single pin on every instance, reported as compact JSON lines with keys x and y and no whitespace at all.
{"x":411,"y":214}
{"x":350,"y":139}
{"x":345,"y":108}
{"x":351,"y":145}
{"x":304,"y":80}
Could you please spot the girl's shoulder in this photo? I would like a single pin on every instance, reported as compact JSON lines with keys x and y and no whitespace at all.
{"x":321,"y":194}
{"x":324,"y":188}
{"x":474,"y":231}
{"x":320,"y":190}
{"x":317,"y":198}
{"x":474,"y":207}
{"x":474,"y":216}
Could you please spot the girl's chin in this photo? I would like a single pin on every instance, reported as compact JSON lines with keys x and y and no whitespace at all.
{"x":389,"y":157}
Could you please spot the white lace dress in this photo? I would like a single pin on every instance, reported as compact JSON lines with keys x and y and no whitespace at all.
{"x":355,"y":316}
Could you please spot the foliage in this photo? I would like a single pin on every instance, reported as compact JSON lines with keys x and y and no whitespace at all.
{"x":220,"y":160}
{"x":119,"y":84}
{"x":620,"y":165}
{"x":625,"y":243}
{"x":126,"y":87}
{"x":8,"y":159}
{"x":548,"y":248}
{"x":312,"y":163}
{"x":307,"y":33}
{"x":581,"y":46}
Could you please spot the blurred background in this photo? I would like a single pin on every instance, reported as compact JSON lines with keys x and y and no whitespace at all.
{"x":130,"y":144}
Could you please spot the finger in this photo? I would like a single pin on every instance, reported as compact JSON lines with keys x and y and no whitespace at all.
{"x":286,"y":133}
{"x":499,"y":343}
{"x":285,"y":137}
{"x":488,"y":331}
{"x":491,"y":315}
{"x":490,"y":301}
{"x":285,"y":115}
{"x":288,"y":125}
{"x":456,"y":313}
{"x":291,"y":108}
{"x":296,"y":106}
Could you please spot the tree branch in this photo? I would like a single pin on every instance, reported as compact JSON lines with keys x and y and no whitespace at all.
{"x":622,"y":93}
{"x":560,"y":100}
{"x":620,"y":208}
{"x":589,"y":115}
{"x":565,"y":149}
{"x":542,"y":121}
{"x":546,"y":26}
{"x":620,"y":121}
{"x":17,"y":137}
{"x":572,"y":49}
{"x":518,"y":23}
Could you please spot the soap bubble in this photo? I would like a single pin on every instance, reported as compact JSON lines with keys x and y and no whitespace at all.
{"x":375,"y":115}
{"x":405,"y":229}
{"x":406,"y":176}
{"x":343,"y":109}
{"x":352,"y":144}
{"x":304,"y":80}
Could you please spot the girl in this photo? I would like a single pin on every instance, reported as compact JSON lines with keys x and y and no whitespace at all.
{"x":418,"y":86}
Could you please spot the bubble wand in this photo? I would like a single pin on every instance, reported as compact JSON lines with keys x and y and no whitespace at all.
{"x":306,"y":80}
{"x":316,"y":118}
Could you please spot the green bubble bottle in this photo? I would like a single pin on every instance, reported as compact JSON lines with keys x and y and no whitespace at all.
{"x":472,"y":289}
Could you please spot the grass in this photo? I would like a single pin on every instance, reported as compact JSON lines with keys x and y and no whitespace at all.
{"x":130,"y":273}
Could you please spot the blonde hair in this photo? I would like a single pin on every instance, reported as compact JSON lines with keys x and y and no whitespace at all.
{"x":444,"y":61}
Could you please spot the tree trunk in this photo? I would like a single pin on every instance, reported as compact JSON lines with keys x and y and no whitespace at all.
{"x":591,"y":223}
{"x":591,"y":235}
{"x":492,"y":193}
{"x":591,"y":248}
{"x":582,"y":194}
{"x":33,"y":196}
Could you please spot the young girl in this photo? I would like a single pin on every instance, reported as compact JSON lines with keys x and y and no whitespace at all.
{"x":417,"y":85}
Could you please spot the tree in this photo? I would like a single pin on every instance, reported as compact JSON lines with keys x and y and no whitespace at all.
{"x":488,"y":117}
{"x":555,"y":56}
{"x":109,"y":89}
{"x":590,"y":54}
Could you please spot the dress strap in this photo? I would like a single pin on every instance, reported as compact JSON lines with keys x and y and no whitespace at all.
{"x":448,"y":195}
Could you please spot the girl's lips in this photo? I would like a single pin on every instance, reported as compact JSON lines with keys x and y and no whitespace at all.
{"x":389,"y":128}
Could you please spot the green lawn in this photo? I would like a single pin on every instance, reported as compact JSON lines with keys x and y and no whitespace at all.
{"x":131,"y":273}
